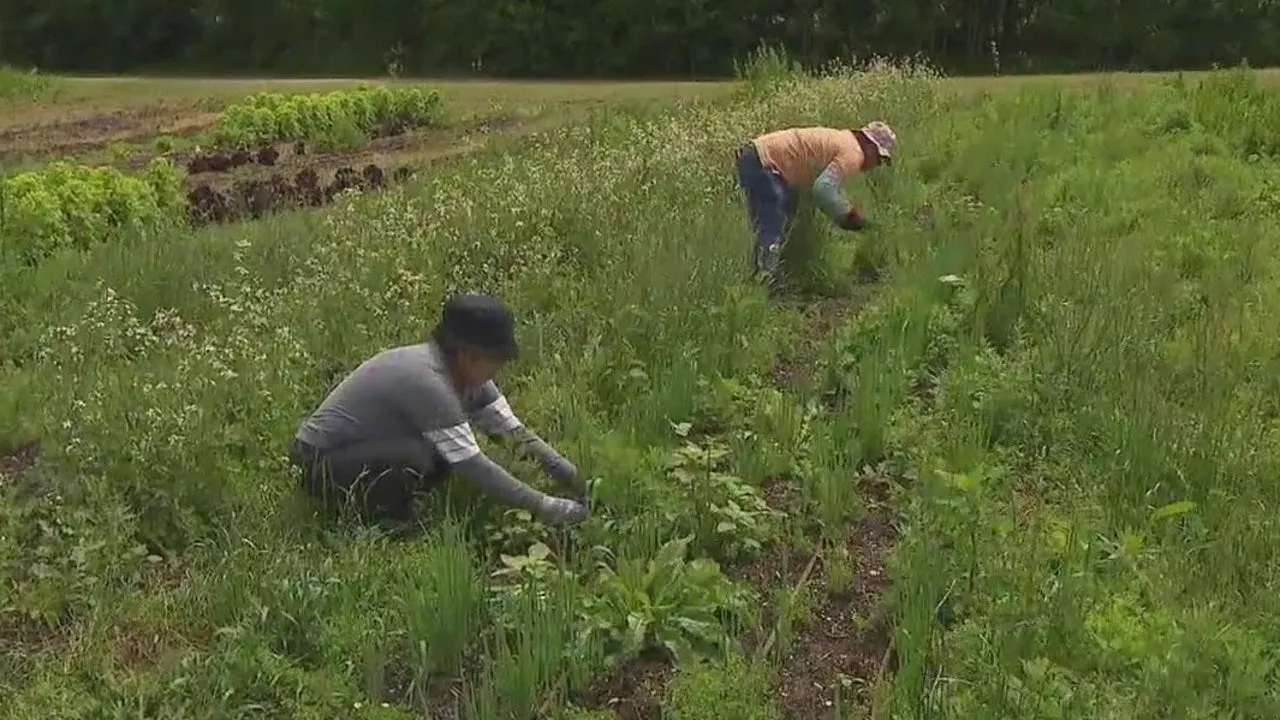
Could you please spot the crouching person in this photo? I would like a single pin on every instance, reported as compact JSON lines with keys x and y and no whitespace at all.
{"x":400,"y":423}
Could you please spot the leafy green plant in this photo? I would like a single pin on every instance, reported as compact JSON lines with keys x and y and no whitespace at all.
{"x":531,"y":571}
{"x":666,"y":603}
{"x":338,"y":119}
{"x":514,"y":530}
{"x":729,"y":516}
{"x":66,"y":205}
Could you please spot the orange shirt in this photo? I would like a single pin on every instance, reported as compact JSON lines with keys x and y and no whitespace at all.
{"x":800,"y":155}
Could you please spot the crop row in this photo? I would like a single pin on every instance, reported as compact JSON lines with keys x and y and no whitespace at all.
{"x":67,"y":205}
{"x":337,"y":118}
{"x":257,"y":197}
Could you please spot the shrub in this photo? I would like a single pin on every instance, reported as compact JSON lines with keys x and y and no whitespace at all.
{"x":67,"y":205}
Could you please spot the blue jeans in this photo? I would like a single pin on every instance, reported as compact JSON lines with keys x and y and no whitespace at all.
{"x":771,"y":204}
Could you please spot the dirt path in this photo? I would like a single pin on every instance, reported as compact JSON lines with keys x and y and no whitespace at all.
{"x":839,"y":648}
{"x":838,"y":642}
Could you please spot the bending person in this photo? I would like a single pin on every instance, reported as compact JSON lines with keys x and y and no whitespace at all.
{"x":402,"y":421}
{"x":775,"y":168}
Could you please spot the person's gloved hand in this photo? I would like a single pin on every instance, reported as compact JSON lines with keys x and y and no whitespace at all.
{"x":854,"y":221}
{"x":566,"y":474}
{"x":561,"y":511}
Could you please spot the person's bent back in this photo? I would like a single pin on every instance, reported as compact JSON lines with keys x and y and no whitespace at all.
{"x":774,"y":169}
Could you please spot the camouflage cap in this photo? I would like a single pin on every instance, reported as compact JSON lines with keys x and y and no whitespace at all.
{"x":882,"y":136}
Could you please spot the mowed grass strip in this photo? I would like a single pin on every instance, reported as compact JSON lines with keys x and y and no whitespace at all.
{"x":1065,"y":373}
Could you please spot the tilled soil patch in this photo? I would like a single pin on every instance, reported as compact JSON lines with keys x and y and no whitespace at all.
{"x":83,"y":132}
{"x":254,"y":198}
{"x":634,"y":691}
{"x":262,"y":161}
{"x":226,"y":187}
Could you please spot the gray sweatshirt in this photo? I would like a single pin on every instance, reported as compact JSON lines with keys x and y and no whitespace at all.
{"x":408,"y":392}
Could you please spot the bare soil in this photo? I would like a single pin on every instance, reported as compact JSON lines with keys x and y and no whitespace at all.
{"x":225,"y":187}
{"x":77,"y":132}
{"x":15,"y":462}
{"x":414,"y":148}
{"x":442,"y":699}
{"x":634,"y":691}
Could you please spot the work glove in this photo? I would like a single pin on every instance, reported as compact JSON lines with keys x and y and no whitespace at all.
{"x":560,"y":511}
{"x":564,"y":472}
{"x":854,"y":221}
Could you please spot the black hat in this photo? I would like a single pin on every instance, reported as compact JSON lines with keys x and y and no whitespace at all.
{"x":480,"y":322}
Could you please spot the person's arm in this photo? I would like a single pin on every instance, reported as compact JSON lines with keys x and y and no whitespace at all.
{"x":493,"y":415}
{"x":438,"y":413}
{"x":829,"y":196}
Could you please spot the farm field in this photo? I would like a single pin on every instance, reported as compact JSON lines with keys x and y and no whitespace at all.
{"x":1011,"y":455}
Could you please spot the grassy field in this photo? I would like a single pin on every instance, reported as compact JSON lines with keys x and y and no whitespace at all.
{"x":1030,"y":472}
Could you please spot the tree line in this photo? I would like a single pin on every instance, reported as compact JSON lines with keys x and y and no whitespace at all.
{"x":627,"y":38}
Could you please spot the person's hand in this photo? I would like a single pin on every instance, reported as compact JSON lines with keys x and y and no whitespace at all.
{"x":566,"y":474}
{"x":561,"y":511}
{"x":854,"y":221}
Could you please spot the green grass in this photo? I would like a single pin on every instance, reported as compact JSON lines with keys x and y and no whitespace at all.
{"x":24,"y":85}
{"x":1088,"y":498}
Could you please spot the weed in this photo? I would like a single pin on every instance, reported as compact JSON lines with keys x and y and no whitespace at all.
{"x":732,"y":688}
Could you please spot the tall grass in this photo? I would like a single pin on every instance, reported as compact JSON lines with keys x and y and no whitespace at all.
{"x":18,"y":84}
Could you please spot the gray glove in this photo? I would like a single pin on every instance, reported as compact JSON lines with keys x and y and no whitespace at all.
{"x":566,"y":474}
{"x":561,"y":511}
